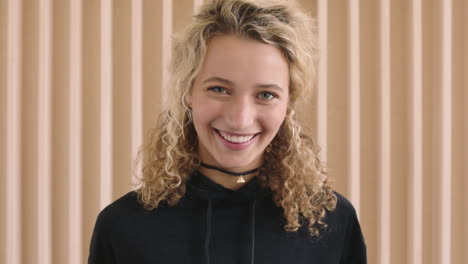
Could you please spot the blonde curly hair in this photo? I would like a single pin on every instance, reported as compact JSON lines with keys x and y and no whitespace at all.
{"x":291,"y":169}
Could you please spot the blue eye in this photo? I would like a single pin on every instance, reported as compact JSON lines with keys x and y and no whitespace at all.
{"x":266,"y":96}
{"x":218,"y":89}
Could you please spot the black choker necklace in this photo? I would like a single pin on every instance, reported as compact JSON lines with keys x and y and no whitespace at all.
{"x":240,"y":174}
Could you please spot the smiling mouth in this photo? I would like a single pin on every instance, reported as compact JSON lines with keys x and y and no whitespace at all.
{"x":236,"y":139}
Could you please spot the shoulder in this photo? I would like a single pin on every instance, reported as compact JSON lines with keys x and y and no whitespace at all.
{"x":108,"y":220}
{"x":344,"y":216}
{"x":344,"y":206}
{"x":126,"y":201}
{"x":346,"y":220}
{"x":119,"y":210}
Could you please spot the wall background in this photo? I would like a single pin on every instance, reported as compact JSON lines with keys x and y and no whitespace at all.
{"x":81,"y":82}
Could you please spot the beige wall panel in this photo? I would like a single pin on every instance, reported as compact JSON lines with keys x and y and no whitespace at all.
{"x":415,"y":181}
{"x":166,"y":46}
{"x":3,"y":120}
{"x":196,"y":5}
{"x":182,"y":14}
{"x":90,"y":115}
{"x":459,"y":221}
{"x":60,"y":132}
{"x":442,"y":98}
{"x":399,"y":121}
{"x":12,"y":48}
{"x":136,"y":86}
{"x":29,"y":131}
{"x":106,"y":102}
{"x":384,"y":132}
{"x":435,"y":115}
{"x":338,"y":147}
{"x":307,"y":112}
{"x":321,"y":94}
{"x":75,"y":133}
{"x":310,"y":6}
{"x":369,"y":120}
{"x":44,"y":140}
{"x":152,"y":67}
{"x":354,"y":111}
{"x":446,"y":129}
{"x":428,"y":108}
{"x":465,"y":131}
{"x":122,"y":159}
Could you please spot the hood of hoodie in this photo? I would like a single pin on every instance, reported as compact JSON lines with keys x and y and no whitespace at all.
{"x":201,"y":187}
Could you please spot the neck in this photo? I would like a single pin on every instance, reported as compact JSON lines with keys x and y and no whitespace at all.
{"x":226,"y":180}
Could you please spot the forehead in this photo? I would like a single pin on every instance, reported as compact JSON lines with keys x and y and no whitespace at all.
{"x":244,"y":60}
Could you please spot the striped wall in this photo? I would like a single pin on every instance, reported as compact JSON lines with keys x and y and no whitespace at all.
{"x":81,"y":82}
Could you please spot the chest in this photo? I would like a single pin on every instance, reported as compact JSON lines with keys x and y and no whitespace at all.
{"x":230,"y":235}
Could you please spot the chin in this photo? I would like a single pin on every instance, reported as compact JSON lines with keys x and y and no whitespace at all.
{"x":229,"y":163}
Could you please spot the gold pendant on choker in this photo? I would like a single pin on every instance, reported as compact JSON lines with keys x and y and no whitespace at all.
{"x":240,"y":179}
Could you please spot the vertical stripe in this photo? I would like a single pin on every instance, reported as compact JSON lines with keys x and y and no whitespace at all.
{"x":465,"y":66}
{"x":385,"y":147}
{"x":106,"y":103}
{"x":75,"y":135}
{"x":13,"y":133}
{"x":354,"y":104}
{"x":137,"y":81}
{"x":166,"y":45}
{"x":446,"y":132}
{"x":44,"y":134}
{"x":416,"y":181}
{"x":322,"y":95}
{"x":196,"y":5}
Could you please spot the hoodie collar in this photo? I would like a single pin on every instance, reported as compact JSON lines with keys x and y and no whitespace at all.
{"x":201,"y":187}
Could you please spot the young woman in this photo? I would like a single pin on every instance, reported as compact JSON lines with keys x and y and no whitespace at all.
{"x":228,"y":176}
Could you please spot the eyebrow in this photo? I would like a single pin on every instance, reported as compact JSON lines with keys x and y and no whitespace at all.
{"x":228,"y":82}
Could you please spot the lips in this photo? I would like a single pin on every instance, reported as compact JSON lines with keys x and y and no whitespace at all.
{"x":236,"y":138}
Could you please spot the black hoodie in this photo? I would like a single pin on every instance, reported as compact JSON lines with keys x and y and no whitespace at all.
{"x":212,"y":224}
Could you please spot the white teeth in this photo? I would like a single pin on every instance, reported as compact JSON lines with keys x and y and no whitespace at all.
{"x":235,"y":139}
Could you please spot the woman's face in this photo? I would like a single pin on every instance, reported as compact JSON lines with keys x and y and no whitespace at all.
{"x":238,"y":100}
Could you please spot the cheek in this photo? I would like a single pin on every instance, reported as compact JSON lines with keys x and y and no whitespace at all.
{"x":203,"y":113}
{"x":273,"y":120}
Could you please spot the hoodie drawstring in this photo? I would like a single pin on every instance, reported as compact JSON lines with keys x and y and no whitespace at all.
{"x":252,"y":222}
{"x":208,"y":231}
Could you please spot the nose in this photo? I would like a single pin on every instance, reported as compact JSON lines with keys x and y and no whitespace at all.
{"x":240,"y":114}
